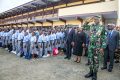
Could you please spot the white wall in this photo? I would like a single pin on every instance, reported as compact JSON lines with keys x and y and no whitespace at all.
{"x":107,"y":6}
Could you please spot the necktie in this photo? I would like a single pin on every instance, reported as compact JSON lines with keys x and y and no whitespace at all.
{"x":110,"y":34}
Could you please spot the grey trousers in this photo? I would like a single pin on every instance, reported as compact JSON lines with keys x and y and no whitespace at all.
{"x":19,"y":46}
{"x":13,"y":45}
{"x":25,"y":48}
{"x":40,"y":49}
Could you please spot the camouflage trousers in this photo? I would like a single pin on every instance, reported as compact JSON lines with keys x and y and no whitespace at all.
{"x":94,"y":58}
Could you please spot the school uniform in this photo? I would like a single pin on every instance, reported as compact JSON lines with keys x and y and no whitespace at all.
{"x":20,"y":38}
{"x":57,"y":39}
{"x":29,"y":43}
{"x":48,"y":42}
{"x":16,"y":41}
{"x":25,"y":46}
{"x":61,"y":39}
{"x":0,"y":39}
{"x":1,"y":35}
{"x":44,"y":41}
{"x":47,"y":45}
{"x":13,"y":42}
{"x":33,"y":45}
{"x":6,"y":39}
{"x":40,"y":46}
{"x":51,"y":41}
{"x":10,"y":40}
{"x":3,"y":39}
{"x":54,"y":40}
{"x":10,"y":36}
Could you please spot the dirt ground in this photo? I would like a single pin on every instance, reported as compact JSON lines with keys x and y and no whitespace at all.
{"x":52,"y":68}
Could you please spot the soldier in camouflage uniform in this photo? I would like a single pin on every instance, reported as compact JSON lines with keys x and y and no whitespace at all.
{"x":98,"y":37}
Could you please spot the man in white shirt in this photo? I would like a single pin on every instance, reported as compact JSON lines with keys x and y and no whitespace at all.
{"x":33,"y":41}
{"x":40,"y":44}
{"x":25,"y":45}
{"x":19,"y":39}
{"x":13,"y":42}
{"x":16,"y":40}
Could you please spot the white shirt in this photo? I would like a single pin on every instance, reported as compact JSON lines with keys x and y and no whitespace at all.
{"x":33,"y":39}
{"x":26,"y":38}
{"x":44,"y":38}
{"x":47,"y":37}
{"x":13,"y":36}
{"x":16,"y":35}
{"x":57,"y":35}
{"x":20,"y":36}
{"x":40,"y":38}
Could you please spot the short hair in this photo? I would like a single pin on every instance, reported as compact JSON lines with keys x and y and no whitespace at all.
{"x":111,"y":24}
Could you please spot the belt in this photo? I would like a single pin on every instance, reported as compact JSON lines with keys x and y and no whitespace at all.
{"x":19,"y":40}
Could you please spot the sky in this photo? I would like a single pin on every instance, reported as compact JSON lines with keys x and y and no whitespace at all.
{"x":9,"y":4}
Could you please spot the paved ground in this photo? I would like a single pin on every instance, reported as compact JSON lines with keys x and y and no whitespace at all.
{"x":52,"y":68}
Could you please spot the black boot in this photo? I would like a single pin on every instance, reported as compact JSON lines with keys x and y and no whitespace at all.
{"x":90,"y":74}
{"x":94,"y":77}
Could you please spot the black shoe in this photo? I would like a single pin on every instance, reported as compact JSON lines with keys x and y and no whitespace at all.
{"x":109,"y":70}
{"x":88,"y":75}
{"x":69,"y":58}
{"x":66,"y":58}
{"x":103,"y":68}
{"x":94,"y":77}
{"x":87,"y":64}
{"x":117,"y":61}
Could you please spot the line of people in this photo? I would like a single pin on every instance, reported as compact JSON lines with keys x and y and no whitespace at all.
{"x":32,"y":42}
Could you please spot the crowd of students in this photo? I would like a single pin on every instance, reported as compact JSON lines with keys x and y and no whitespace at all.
{"x":32,"y":42}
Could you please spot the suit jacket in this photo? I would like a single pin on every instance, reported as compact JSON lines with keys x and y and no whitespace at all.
{"x":113,"y":41}
{"x":70,"y":35}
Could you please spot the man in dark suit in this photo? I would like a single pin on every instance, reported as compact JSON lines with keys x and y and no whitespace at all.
{"x":69,"y":41}
{"x":112,"y":45}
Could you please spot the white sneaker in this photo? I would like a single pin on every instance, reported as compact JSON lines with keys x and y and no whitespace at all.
{"x":44,"y":56}
{"x":48,"y":55}
{"x":18,"y":54}
{"x":12,"y":51}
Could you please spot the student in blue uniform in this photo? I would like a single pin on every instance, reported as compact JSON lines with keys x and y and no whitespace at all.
{"x":33,"y":40}
{"x":6,"y":39}
{"x":2,"y":37}
{"x":20,"y":39}
{"x":10,"y":40}
{"x":44,"y":40}
{"x":25,"y":45}
{"x":57,"y":39}
{"x":29,"y":35}
{"x":47,"y":45}
{"x":54,"y":39}
{"x":40,"y":45}
{"x":16,"y":41}
{"x":13,"y":42}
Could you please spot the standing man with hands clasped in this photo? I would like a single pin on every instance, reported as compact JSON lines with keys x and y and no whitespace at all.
{"x":112,"y":46}
{"x":69,"y":41}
